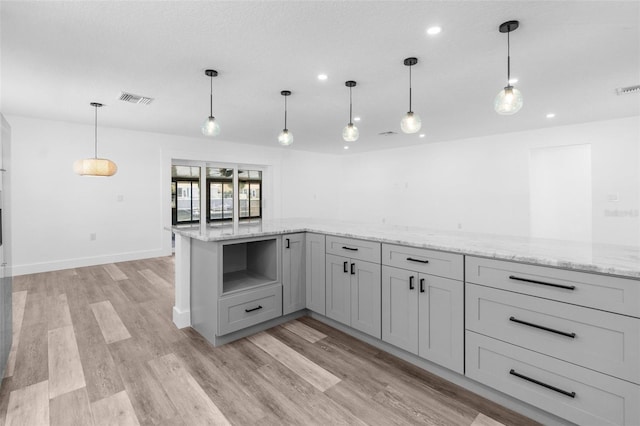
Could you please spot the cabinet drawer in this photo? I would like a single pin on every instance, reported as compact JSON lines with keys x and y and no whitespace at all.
{"x":598,"y":400}
{"x":602,"y":341}
{"x":447,"y":265}
{"x":613,"y":294}
{"x":249,"y":308}
{"x":368,"y":251}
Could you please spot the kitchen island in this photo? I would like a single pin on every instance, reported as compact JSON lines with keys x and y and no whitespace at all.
{"x":563,"y":316}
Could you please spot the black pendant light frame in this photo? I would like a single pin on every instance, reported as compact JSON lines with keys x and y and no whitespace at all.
{"x":507,"y":27}
{"x":285,"y":93}
{"x":350,"y":84}
{"x":211,"y":74}
{"x":96,"y":105}
{"x":410,"y":62}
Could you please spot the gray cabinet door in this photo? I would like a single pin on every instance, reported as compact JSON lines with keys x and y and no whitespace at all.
{"x":441,"y":318}
{"x":400,"y":308}
{"x":365,"y":297}
{"x":293,"y":274}
{"x":338,"y":289}
{"x":315,"y":272}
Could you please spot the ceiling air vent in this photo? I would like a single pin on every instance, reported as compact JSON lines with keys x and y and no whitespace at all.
{"x":627,"y":90}
{"x":389,"y":133}
{"x":135,"y":99}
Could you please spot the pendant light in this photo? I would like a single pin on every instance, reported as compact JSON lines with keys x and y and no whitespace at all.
{"x":350,"y":132}
{"x":95,"y":166}
{"x":509,"y":100}
{"x":285,"y":137}
{"x":211,"y":127}
{"x":411,"y":122}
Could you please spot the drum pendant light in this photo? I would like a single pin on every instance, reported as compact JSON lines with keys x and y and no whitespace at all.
{"x":350,"y":132}
{"x":95,"y":166}
{"x":411,"y":122}
{"x":509,"y":100}
{"x":285,"y":138}
{"x":210,"y":127}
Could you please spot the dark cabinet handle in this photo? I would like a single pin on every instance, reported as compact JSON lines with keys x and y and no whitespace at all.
{"x":411,"y":278}
{"x":527,"y":280}
{"x":288,"y":244}
{"x":542,"y":327}
{"x":544,"y":385}
{"x":253,"y":309}
{"x":350,"y":248}
{"x":353,"y":271}
{"x":411,"y":259}
{"x":421,"y":285}
{"x":345,"y":265}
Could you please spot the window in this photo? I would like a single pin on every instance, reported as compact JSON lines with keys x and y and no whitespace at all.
{"x":185,"y":194}
{"x":249,"y":199}
{"x":219,"y":194}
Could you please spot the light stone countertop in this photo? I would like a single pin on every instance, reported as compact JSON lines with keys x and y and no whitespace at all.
{"x":601,"y":258}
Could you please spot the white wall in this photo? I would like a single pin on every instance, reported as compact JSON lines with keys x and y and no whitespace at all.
{"x":55,"y":210}
{"x":482,"y":184}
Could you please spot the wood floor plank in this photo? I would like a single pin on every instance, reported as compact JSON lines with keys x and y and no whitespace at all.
{"x":58,"y":314}
{"x":19,"y":299}
{"x":32,"y":362}
{"x":114,"y":272}
{"x":155,"y":279}
{"x":35,"y":309}
{"x":71,"y":409}
{"x":110,"y":323}
{"x":311,"y":335}
{"x":29,"y":406}
{"x":482,"y":420}
{"x":114,"y":410}
{"x":309,"y":371}
{"x":65,"y":368}
{"x":193,"y":404}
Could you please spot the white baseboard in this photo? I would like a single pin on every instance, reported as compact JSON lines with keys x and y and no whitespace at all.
{"x":57,"y":265}
{"x":181,"y":319}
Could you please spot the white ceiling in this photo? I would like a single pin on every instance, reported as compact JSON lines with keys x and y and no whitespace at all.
{"x":569,"y":57}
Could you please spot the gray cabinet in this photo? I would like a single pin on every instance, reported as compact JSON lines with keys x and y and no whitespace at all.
{"x":353,"y":293}
{"x":315,"y":272}
{"x":293,"y":273}
{"x":423,"y":314}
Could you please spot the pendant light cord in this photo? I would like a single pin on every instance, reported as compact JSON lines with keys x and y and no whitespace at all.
{"x":211,"y":97}
{"x":410,"y":88}
{"x":285,"y":113}
{"x":96,"y":133}
{"x":350,"y":108}
{"x":508,"y":59}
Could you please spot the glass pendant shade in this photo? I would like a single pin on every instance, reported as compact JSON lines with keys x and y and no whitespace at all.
{"x":411,"y":122}
{"x":210,"y":127}
{"x":285,"y":138}
{"x":350,"y":133}
{"x":508,"y":101}
{"x":95,"y":167}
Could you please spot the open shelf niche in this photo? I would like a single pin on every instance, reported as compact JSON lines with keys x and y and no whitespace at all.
{"x":249,"y":264}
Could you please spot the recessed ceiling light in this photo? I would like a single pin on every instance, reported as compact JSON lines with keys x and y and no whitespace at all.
{"x":513,"y":80}
{"x":551,"y":115}
{"x":434,"y":30}
{"x":356,"y":118}
{"x":346,"y":147}
{"x":322,"y":77}
{"x":422,"y":135}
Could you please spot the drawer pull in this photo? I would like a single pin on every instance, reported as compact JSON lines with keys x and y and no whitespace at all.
{"x":544,"y":385}
{"x":411,"y":286}
{"x":542,"y":327}
{"x":421,"y":285}
{"x":288,"y":244}
{"x":353,"y":271}
{"x":345,"y":265}
{"x":411,"y":259}
{"x":253,"y":309}
{"x":350,"y":248}
{"x":527,"y":280}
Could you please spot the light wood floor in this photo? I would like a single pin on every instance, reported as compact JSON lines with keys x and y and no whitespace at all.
{"x":97,"y":346}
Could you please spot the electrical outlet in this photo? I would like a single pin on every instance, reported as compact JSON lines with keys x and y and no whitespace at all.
{"x":92,"y":236}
